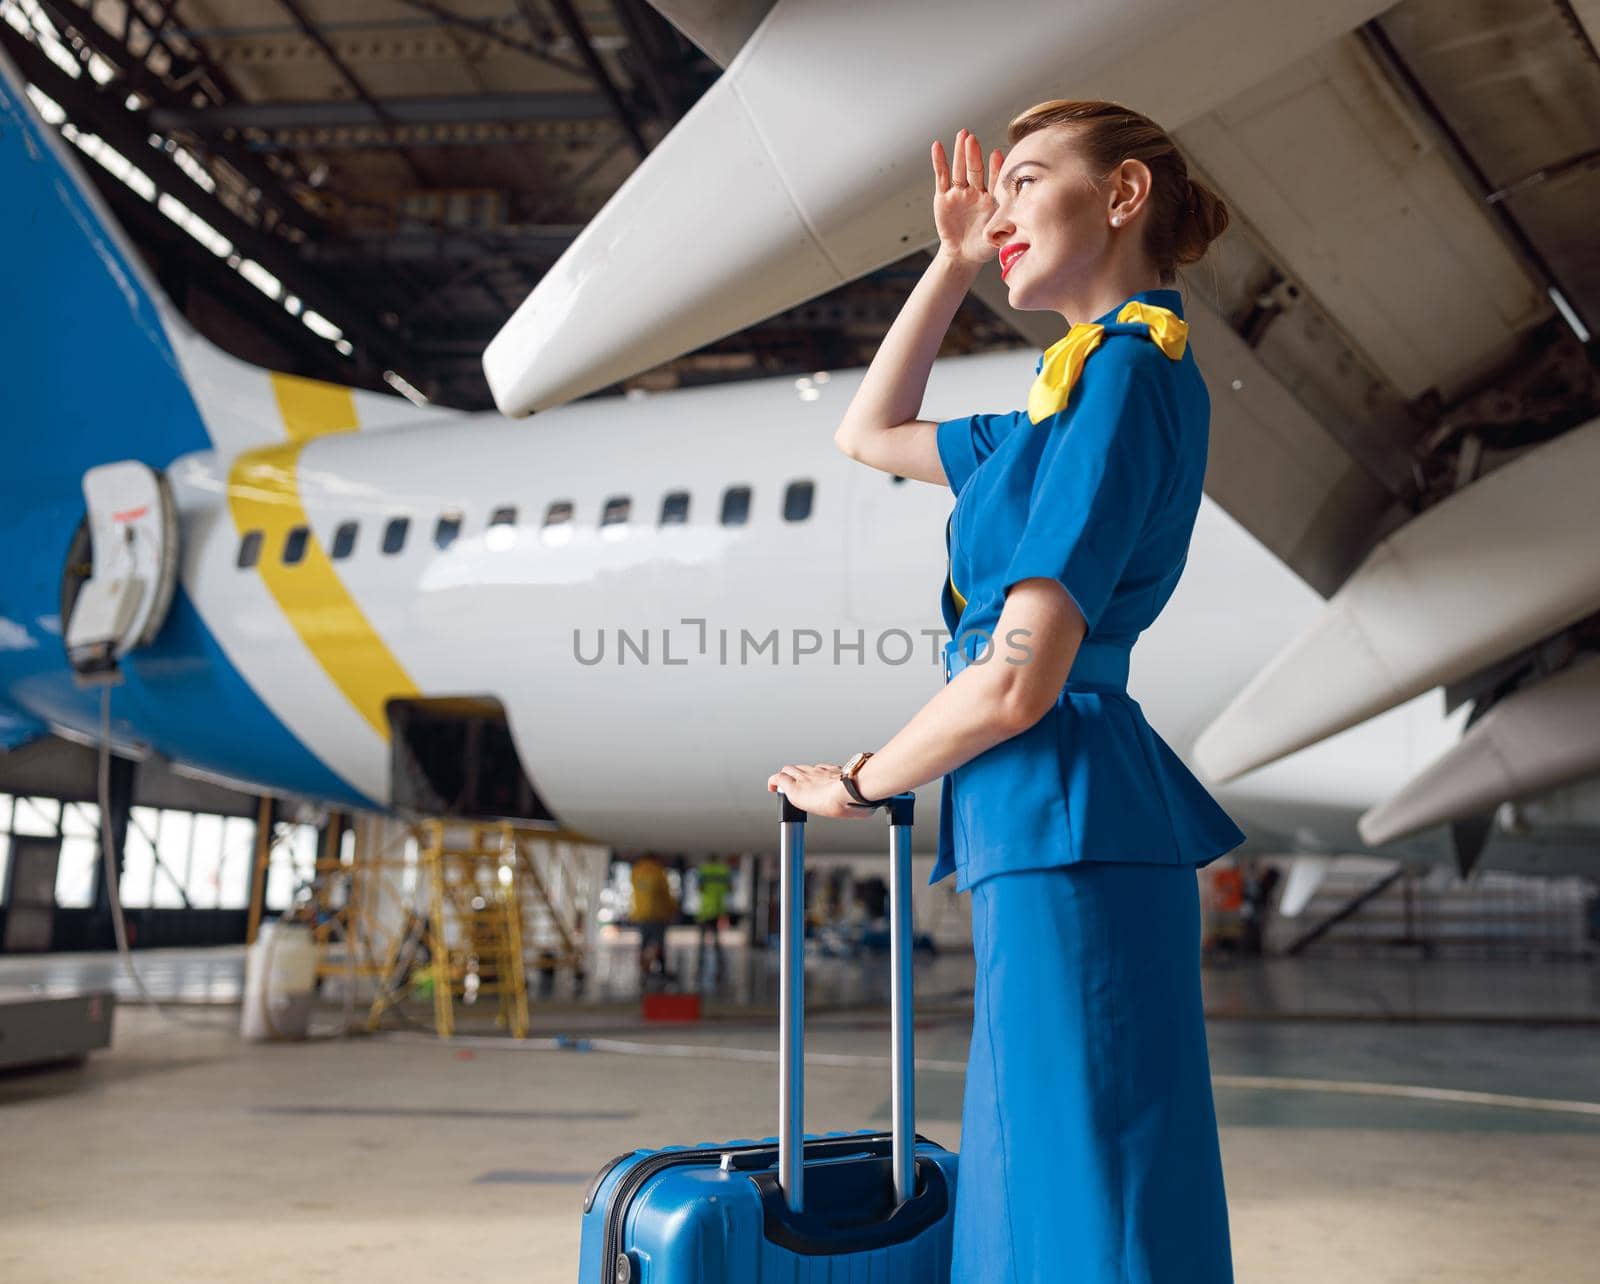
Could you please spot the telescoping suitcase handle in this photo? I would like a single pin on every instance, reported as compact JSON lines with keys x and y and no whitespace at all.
{"x":791,"y":1000}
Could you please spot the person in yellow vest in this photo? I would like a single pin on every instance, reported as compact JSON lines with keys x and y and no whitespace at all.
{"x":716,"y":880}
{"x":654,"y":906}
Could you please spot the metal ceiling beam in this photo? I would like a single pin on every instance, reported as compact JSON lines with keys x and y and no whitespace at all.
{"x":155,"y":31}
{"x":666,"y":99}
{"x":489,"y":31}
{"x":374,"y":138}
{"x":445,"y":246}
{"x":66,"y":15}
{"x":569,"y":19}
{"x":379,"y":113}
{"x":104,"y":114}
{"x":480,"y":109}
{"x":138,"y":77}
{"x":180,"y":258}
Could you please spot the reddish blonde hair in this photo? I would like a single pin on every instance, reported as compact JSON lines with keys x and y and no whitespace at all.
{"x":1185,"y":215}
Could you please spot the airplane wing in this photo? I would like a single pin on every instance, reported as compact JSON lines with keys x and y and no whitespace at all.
{"x":806,"y":164}
{"x":1497,"y":566}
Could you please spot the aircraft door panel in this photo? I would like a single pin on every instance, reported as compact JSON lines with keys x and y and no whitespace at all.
{"x":118,"y":584}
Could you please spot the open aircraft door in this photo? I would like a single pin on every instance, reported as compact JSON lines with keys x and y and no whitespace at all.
{"x":122,"y":569}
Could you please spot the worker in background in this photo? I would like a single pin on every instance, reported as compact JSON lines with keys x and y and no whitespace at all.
{"x":1222,"y":908}
{"x":716,"y":880}
{"x":1259,"y":884}
{"x":654,"y":906}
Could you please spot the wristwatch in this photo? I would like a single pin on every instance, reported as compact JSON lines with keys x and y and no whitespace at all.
{"x":847,"y":775}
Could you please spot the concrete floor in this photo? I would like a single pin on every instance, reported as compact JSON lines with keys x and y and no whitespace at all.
{"x":1400,"y":986}
{"x":183,"y":1154}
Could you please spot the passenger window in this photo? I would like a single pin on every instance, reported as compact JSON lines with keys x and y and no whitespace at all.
{"x":557,"y":522}
{"x":344,"y":541}
{"x":736,"y":506}
{"x":616,"y":511}
{"x":294,"y":546}
{"x":797,"y":501}
{"x":446,"y":529}
{"x":675,"y":508}
{"x":249,"y":550}
{"x":502,"y":532}
{"x":394,"y":534}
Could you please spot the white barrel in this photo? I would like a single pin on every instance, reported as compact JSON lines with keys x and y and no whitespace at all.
{"x":280,"y":970}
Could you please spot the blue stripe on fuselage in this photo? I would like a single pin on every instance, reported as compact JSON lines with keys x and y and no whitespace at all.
{"x":186,"y":698}
{"x":183,"y":697}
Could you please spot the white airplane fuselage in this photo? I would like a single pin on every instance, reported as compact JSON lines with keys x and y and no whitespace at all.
{"x":654,"y":675}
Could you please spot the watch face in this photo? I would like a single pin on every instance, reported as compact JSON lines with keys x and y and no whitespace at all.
{"x":856,"y":759}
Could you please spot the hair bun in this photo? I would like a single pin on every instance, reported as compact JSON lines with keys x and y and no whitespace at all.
{"x":1204,"y":218}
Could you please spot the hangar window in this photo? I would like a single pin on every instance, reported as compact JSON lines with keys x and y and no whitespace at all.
{"x":446,"y":530}
{"x":249,"y":549}
{"x":394,"y":534}
{"x":344,"y":541}
{"x":675,"y":508}
{"x":616,"y":512}
{"x":797,"y":501}
{"x":294,"y":546}
{"x":736,"y":506}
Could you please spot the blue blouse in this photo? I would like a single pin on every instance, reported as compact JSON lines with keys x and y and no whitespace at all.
{"x":1101,"y":497}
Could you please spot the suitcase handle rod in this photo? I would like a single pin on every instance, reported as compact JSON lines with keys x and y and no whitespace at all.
{"x":791,"y":1001}
{"x":903,"y":1105}
{"x":791,"y":1006}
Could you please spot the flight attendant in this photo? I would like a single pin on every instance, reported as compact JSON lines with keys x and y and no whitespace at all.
{"x":1089,"y":1147}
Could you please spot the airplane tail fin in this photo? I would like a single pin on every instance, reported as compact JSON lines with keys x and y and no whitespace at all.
{"x":89,"y":368}
{"x":101,"y":366}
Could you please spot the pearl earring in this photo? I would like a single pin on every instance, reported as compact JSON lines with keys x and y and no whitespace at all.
{"x":1116,"y":220}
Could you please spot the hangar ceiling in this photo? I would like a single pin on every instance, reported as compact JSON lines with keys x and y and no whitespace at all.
{"x":1403,"y":302}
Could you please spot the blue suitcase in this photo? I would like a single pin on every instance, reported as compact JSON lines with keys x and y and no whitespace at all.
{"x":847,"y":1208}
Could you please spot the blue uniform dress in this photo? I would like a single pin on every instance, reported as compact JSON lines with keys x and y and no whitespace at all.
{"x":1089,"y":1147}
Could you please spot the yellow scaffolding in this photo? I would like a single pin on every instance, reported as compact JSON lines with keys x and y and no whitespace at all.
{"x":350,"y":893}
{"x":555,"y":902}
{"x":472,"y":877}
{"x":451,"y":912}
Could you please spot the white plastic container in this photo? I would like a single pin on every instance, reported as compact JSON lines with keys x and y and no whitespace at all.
{"x":280,"y":971}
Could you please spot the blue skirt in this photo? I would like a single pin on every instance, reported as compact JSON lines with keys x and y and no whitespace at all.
{"x":1089,"y":1145}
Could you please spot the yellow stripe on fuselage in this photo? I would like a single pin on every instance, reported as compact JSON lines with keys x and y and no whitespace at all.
{"x":264,"y":495}
{"x":311,"y":408}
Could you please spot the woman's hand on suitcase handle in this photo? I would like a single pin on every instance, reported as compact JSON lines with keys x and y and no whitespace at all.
{"x":817,"y":790}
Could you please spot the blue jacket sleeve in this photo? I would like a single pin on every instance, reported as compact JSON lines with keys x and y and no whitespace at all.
{"x":966,"y":442}
{"x":1109,"y":455}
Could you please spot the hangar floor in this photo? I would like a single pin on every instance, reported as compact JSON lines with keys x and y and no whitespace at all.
{"x":1372,"y":1150}
{"x":1364,"y":985}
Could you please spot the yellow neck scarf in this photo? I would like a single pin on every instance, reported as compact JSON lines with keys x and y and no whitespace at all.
{"x":1063,"y":360}
{"x":1063,"y":363}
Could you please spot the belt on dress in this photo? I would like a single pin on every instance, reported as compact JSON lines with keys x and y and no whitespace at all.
{"x":1098,"y":666}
